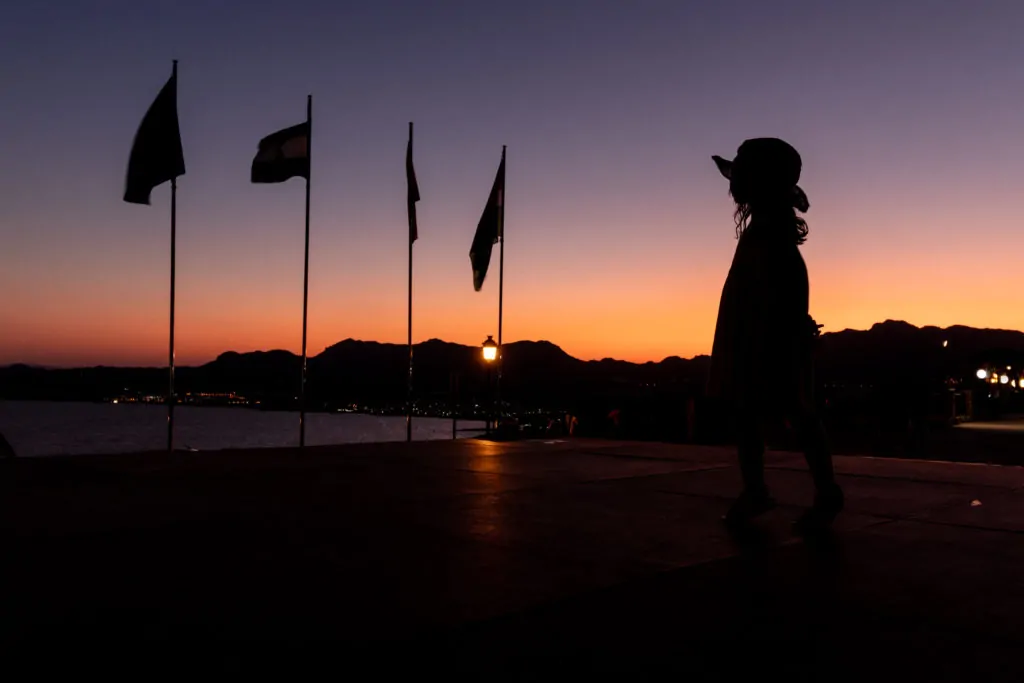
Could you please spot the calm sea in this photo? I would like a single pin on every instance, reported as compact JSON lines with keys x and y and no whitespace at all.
{"x":44,"y":428}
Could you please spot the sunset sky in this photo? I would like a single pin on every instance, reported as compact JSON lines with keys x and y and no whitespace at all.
{"x":909,"y":117}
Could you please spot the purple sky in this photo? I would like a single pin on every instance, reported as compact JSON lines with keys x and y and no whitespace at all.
{"x":908,"y":115}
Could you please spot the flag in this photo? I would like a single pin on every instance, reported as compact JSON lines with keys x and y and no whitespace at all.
{"x":413,"y":194}
{"x":282,"y":155}
{"x":489,"y":229}
{"x":156,"y":155}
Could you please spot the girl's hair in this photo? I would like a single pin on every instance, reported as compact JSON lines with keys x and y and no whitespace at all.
{"x":795,"y":225}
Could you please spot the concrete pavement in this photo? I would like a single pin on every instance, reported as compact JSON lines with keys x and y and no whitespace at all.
{"x":547,"y":559}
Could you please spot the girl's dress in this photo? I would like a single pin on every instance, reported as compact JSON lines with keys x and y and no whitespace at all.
{"x":761,"y":357}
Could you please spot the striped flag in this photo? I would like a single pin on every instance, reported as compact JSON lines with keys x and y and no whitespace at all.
{"x":282,"y":155}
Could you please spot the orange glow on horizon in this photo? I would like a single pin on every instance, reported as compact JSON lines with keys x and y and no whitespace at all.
{"x":635,"y":313}
{"x":590,"y":331}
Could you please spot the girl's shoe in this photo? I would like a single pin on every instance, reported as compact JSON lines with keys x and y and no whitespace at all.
{"x":828,"y":504}
{"x":749,"y":505}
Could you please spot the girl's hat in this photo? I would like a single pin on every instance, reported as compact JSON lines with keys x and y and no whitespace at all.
{"x":769,"y":164}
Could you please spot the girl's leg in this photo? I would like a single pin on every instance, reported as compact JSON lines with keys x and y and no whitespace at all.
{"x":754,"y":500}
{"x":816,"y":450}
{"x":828,"y":498}
{"x":750,"y":449}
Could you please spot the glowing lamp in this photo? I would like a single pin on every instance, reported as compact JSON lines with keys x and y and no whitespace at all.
{"x":1003,"y":379}
{"x":982,"y":374}
{"x":490,"y":349}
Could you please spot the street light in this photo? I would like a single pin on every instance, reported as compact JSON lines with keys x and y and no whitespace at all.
{"x":490,"y":349}
{"x":490,"y":352}
{"x":982,"y":374}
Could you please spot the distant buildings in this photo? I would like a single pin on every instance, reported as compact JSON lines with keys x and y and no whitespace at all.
{"x":188,"y":398}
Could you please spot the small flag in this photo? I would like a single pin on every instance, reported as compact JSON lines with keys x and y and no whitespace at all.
{"x":413,"y":194}
{"x":156,"y":155}
{"x":489,"y":229}
{"x":282,"y":155}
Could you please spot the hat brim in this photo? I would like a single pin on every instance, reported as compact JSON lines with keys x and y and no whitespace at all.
{"x":724,"y":166}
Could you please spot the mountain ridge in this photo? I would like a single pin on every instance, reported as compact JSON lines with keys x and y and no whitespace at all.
{"x":887,"y":326}
{"x":891,"y":353}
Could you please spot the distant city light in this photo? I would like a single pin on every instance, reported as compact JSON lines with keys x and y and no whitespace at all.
{"x":982,"y":374}
{"x":1003,"y":379}
{"x":945,"y":343}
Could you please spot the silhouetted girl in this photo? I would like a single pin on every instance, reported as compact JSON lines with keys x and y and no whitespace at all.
{"x":764,"y":337}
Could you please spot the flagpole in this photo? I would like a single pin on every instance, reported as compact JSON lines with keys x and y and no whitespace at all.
{"x":501,"y":286}
{"x":305,"y":271}
{"x":170,"y":353}
{"x":408,"y":394}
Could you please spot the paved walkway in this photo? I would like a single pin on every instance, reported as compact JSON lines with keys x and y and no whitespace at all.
{"x":1013,"y":424}
{"x":553,"y":559}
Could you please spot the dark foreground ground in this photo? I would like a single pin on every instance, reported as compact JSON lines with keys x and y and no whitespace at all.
{"x":534,"y":560}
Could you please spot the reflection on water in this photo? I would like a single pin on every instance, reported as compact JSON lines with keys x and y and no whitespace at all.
{"x":44,"y":428}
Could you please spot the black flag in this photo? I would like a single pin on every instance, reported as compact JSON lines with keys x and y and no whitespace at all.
{"x":282,"y":155}
{"x":413,"y":194}
{"x":156,"y":153}
{"x":489,"y":229}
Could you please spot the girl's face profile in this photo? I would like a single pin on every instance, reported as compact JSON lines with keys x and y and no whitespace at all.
{"x":738,"y":183}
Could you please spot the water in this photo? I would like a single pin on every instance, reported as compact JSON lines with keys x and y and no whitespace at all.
{"x":45,"y":428}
